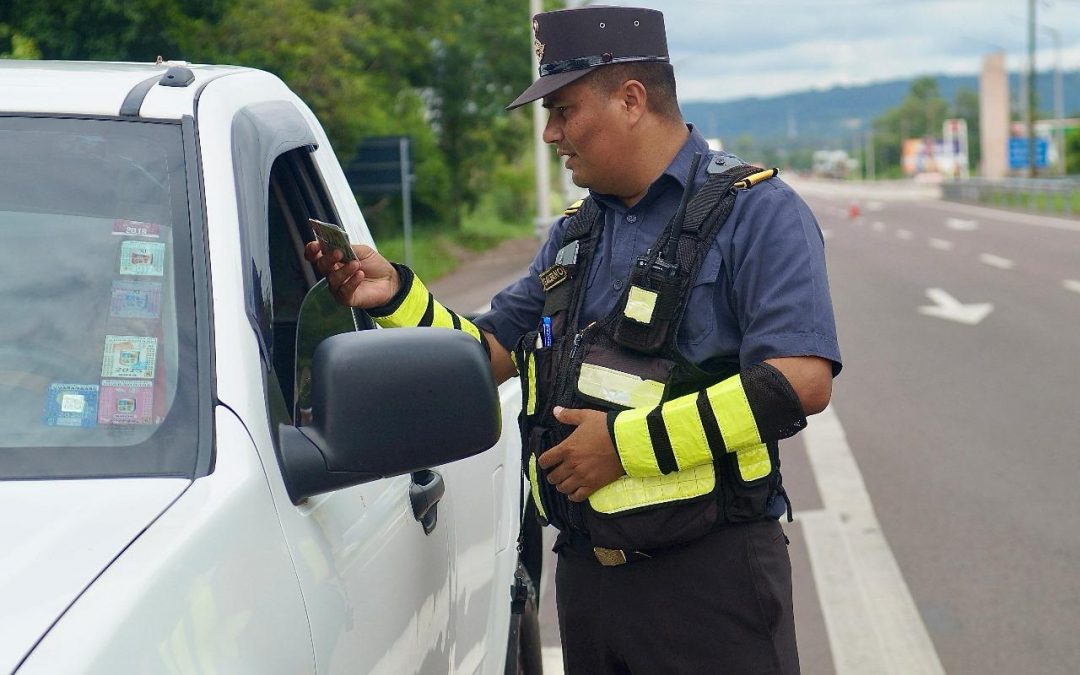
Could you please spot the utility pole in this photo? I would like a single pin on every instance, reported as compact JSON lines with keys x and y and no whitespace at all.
{"x":1031,"y":89}
{"x":543,"y":177}
{"x":1059,"y":98}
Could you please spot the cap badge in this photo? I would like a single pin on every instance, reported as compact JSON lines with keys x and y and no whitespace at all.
{"x":539,"y":48}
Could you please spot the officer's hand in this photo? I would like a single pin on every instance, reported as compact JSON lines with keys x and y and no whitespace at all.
{"x":586,"y":461}
{"x":370,"y":281}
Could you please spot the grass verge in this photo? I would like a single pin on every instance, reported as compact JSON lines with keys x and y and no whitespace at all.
{"x":437,"y":252}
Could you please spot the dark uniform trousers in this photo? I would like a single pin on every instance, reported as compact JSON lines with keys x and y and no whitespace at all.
{"x":718,"y":605}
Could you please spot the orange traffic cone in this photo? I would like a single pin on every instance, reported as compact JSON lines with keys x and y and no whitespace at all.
{"x":854,"y":211}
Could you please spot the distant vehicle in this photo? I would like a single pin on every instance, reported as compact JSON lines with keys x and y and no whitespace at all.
{"x":833,"y":164}
{"x":206,"y":464}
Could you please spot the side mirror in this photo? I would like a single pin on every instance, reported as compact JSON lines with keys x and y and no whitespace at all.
{"x":390,"y":402}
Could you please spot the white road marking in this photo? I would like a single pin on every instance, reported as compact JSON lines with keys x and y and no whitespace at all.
{"x":552,"y":660}
{"x":1006,"y":217}
{"x":874,"y":206}
{"x":873,"y":623}
{"x":878,"y":226}
{"x":996,"y":261}
{"x":1071,"y":285}
{"x":941,"y":244}
{"x":961,"y":225}
{"x":906,"y":235}
{"x":947,"y":307}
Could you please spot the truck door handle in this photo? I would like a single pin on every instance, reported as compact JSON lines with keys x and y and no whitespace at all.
{"x":425,"y":492}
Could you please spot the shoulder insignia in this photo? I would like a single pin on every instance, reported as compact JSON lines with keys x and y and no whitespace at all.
{"x":573,"y":208}
{"x":755,"y":178}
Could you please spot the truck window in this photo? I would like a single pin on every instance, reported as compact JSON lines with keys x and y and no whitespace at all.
{"x":98,"y":367}
{"x":296,"y":194}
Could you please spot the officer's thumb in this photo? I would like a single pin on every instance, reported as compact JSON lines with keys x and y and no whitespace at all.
{"x":567,"y":415}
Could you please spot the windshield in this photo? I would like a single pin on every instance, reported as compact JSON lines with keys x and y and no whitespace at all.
{"x":97,"y":367}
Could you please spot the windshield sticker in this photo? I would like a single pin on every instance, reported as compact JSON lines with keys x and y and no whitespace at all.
{"x":136,"y":300}
{"x":135,"y":228}
{"x":144,"y":258}
{"x":126,"y":402}
{"x":71,"y":405}
{"x":129,"y":356}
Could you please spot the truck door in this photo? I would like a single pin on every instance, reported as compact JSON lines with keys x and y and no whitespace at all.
{"x":376,"y":581}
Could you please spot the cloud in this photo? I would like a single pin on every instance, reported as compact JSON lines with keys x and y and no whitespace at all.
{"x":723,"y":50}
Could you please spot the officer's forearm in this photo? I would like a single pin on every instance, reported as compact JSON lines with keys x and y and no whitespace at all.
{"x":414,"y":305}
{"x":739,"y":414}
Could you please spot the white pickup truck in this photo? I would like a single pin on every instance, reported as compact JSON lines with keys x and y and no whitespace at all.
{"x":207,"y":465}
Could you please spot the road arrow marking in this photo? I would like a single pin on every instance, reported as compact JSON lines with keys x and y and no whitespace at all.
{"x":941,"y":244}
{"x":1071,"y":285}
{"x":961,"y":225}
{"x":947,"y":307}
{"x":996,"y":261}
{"x":906,"y":235}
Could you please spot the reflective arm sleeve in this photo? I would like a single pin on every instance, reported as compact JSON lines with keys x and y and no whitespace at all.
{"x":740,"y":413}
{"x":415,"y":306}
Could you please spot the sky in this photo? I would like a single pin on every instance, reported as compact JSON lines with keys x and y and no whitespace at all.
{"x":723,"y":49}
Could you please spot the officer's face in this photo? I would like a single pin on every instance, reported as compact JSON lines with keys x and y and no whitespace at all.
{"x":584,"y":126}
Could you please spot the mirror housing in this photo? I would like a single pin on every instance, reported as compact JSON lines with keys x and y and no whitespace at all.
{"x":390,"y":402}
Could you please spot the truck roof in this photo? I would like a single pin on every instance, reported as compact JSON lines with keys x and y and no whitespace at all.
{"x":102,"y":88}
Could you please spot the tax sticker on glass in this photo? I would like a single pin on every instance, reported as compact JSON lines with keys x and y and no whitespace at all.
{"x":129,"y":356}
{"x":135,"y":300}
{"x":71,"y":405}
{"x":126,"y":402}
{"x":135,"y":228}
{"x":144,"y":258}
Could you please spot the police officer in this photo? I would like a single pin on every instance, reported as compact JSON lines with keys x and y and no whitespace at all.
{"x":673,"y":328}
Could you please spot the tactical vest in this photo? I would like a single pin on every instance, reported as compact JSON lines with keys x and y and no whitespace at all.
{"x":631,"y":359}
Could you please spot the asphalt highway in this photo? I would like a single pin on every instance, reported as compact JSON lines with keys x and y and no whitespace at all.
{"x":935,"y":527}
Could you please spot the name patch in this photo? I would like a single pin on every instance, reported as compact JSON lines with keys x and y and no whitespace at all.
{"x":553,"y":276}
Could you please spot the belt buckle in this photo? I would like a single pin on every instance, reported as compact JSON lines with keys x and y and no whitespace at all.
{"x":609,"y":557}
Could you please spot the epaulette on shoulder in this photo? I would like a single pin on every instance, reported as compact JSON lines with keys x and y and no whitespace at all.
{"x":573,"y":208}
{"x":755,"y":178}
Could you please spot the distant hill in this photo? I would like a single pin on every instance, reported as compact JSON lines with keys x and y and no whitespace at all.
{"x":817,"y":118}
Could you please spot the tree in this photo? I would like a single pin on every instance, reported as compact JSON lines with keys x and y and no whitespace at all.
{"x":966,"y":106}
{"x":919,"y":115}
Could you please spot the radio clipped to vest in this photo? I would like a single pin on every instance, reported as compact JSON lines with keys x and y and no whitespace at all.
{"x":657,"y":285}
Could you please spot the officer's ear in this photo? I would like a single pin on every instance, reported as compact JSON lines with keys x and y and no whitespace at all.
{"x":634,"y":99}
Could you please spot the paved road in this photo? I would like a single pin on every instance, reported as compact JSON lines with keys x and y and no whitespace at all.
{"x":935,"y":528}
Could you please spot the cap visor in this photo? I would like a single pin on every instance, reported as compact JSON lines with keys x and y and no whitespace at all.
{"x":546,"y":85}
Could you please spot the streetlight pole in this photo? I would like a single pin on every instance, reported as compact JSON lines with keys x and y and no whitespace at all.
{"x":1031,"y":89}
{"x":1059,"y":98}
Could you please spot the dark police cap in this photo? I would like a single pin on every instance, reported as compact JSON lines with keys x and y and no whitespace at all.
{"x":571,"y":42}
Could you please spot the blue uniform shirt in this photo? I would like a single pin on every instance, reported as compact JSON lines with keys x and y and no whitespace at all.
{"x":762,"y":291}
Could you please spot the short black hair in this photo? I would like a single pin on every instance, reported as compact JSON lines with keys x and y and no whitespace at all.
{"x":657,"y":77}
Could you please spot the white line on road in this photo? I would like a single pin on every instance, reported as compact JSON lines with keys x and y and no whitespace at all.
{"x":906,"y":235}
{"x":878,"y":226}
{"x":996,"y":261}
{"x":552,"y":658}
{"x":873,"y":623}
{"x":1071,"y":285}
{"x":941,"y":244}
{"x":961,"y":225}
{"x":1007,"y":217}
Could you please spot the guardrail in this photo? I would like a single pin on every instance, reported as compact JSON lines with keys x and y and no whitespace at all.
{"x":1046,"y":195}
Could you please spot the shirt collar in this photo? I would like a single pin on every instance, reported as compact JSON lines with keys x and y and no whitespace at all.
{"x":676,"y":170}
